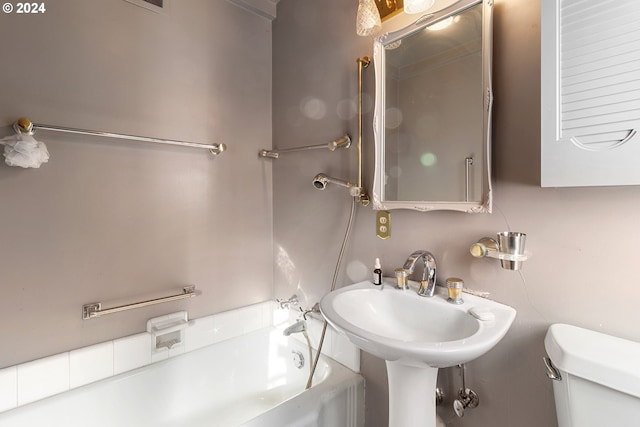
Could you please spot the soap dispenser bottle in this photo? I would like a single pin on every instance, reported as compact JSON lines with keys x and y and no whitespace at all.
{"x":377,"y":273}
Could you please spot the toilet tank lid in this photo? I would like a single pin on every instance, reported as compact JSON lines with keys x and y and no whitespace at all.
{"x":604,"y":359}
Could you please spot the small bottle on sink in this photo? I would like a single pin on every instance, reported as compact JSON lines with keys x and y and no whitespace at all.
{"x":377,"y":273}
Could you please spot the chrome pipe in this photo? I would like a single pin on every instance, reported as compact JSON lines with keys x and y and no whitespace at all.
{"x":342,"y":142}
{"x":321,"y":180}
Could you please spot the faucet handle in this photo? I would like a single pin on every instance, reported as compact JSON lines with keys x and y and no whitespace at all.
{"x":454,"y":289}
{"x":287,"y":303}
{"x":401,"y":277}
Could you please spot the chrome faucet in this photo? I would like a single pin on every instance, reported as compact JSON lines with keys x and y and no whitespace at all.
{"x":299,"y":326}
{"x":428,"y":282}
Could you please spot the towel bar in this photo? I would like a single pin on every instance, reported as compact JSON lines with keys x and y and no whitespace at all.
{"x":94,"y":309}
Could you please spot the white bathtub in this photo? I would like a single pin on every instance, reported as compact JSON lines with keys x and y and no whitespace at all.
{"x":250,"y":380}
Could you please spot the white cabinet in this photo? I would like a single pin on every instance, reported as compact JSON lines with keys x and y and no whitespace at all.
{"x":590,"y":92}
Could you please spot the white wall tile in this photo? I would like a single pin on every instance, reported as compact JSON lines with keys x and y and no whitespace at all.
{"x":177,"y":350}
{"x":227,"y":325}
{"x":8,"y":388}
{"x":157,"y":356}
{"x":280,"y":316}
{"x":131,"y":352}
{"x":268,"y":309}
{"x":90,"y":364}
{"x":42,"y":378}
{"x":250,"y":317}
{"x":199,"y":333}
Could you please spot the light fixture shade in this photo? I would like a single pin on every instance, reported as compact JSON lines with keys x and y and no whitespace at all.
{"x":368,"y":19}
{"x":417,"y":6}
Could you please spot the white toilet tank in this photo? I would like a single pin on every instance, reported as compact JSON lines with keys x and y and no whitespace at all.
{"x":600,"y":378}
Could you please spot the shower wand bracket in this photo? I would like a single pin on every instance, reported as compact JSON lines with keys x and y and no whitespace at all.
{"x":361,"y":195}
{"x":363,"y":198}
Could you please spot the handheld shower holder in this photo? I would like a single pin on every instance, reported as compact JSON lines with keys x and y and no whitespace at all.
{"x":311,"y":311}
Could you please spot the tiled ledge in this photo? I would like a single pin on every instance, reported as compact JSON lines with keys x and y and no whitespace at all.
{"x":38,"y":379}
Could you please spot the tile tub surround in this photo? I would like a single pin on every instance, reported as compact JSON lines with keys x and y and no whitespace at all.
{"x":31,"y":381}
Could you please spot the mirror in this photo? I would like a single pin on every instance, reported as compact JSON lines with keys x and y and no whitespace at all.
{"x":433,"y":112}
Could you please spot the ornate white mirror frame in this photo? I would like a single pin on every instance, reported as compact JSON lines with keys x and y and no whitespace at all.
{"x":481,"y":198}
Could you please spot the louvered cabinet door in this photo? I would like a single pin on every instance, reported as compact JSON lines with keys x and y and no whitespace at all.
{"x":590,"y":88}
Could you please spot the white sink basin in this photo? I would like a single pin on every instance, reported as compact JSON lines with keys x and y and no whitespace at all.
{"x":416,"y":336}
{"x":397,"y":325}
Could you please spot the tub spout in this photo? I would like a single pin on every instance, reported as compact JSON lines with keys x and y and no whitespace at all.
{"x":299,"y":326}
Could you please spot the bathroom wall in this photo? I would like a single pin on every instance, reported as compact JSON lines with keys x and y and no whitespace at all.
{"x":583,"y":270}
{"x":116,"y":221}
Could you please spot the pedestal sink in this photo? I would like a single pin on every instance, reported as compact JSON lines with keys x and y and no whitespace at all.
{"x":415,"y":336}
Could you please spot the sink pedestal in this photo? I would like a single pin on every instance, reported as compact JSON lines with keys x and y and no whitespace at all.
{"x":412,"y":334}
{"x":412,"y":395}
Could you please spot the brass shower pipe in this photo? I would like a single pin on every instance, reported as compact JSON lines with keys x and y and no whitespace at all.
{"x":363,"y":198}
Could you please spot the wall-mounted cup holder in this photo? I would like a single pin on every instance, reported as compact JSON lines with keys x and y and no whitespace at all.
{"x":508,"y":248}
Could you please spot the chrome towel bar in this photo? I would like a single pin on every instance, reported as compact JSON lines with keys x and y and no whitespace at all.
{"x":94,"y":309}
{"x":25,"y":126}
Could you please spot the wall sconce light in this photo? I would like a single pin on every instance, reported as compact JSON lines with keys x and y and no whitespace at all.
{"x":368,"y":18}
{"x":417,"y":6}
{"x":420,"y":6}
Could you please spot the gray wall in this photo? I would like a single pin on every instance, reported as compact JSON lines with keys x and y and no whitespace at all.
{"x":113,"y":221}
{"x":583,"y":270}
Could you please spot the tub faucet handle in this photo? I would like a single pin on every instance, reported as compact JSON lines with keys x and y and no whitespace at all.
{"x":287,"y":303}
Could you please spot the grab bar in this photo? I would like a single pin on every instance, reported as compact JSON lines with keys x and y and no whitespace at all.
{"x":94,"y":309}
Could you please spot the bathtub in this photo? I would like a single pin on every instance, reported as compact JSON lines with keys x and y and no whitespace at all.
{"x":250,"y":380}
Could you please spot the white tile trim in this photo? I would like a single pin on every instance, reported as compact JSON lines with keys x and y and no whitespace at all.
{"x":90,"y":364}
{"x":43,"y":378}
{"x":8,"y":388}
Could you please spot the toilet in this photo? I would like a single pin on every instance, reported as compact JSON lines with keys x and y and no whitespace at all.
{"x":596,"y":377}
